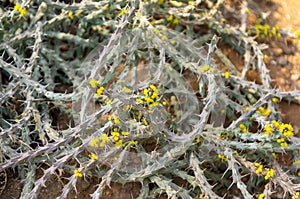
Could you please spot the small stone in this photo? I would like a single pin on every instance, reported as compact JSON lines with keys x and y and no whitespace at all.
{"x":294,"y":77}
{"x":277,"y":51}
{"x":288,"y":50}
{"x":283,"y":70}
{"x":282,"y":61}
{"x":280,"y":80}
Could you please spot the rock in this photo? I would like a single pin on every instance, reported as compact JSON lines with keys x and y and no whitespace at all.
{"x":283,"y":70}
{"x":294,"y":77}
{"x":277,"y":51}
{"x":282,"y":61}
{"x":288,"y":50}
{"x":280,"y":81}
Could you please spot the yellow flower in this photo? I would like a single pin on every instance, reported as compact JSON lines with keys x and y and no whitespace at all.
{"x":265,"y":58}
{"x":243,"y":128}
{"x":275,"y":99}
{"x":94,"y":83}
{"x":268,"y":129}
{"x":145,"y":122}
{"x":262,"y":112}
{"x":205,"y":68}
{"x":115,"y":134}
{"x":223,"y":157}
{"x":23,"y":12}
{"x":118,"y":143}
{"x":154,"y":95}
{"x":139,"y":101}
{"x":148,"y":99}
{"x":164,"y":103}
{"x":153,"y":104}
{"x":77,"y":173}
{"x":100,"y":91}
{"x":296,"y":196}
{"x":94,"y":142}
{"x":283,"y":144}
{"x":170,"y":18}
{"x":175,"y":21}
{"x":227,"y":75}
{"x":160,"y":2}
{"x":286,"y":129}
{"x":259,"y":168}
{"x":108,"y":102}
{"x":146,"y":92}
{"x":297,"y":34}
{"x":156,"y":31}
{"x":126,"y":90}
{"x":172,"y":42}
{"x":164,"y":38}
{"x":276,"y":124}
{"x":93,"y":156}
{"x":131,"y":142}
{"x":71,"y":15}
{"x":153,"y":87}
{"x":190,"y":2}
{"x":125,"y":11}
{"x":261,"y":196}
{"x":104,"y":138}
{"x":125,"y":133}
{"x":270,"y":173}
{"x":17,"y":7}
{"x":297,"y":162}
{"x":116,"y":120}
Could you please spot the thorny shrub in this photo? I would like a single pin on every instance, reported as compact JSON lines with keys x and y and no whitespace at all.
{"x":145,"y":98}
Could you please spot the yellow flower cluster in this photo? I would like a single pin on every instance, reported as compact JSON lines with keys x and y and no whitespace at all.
{"x":261,"y":196}
{"x":21,"y":10}
{"x":207,"y":68}
{"x":282,"y":142}
{"x":150,"y":96}
{"x":286,"y":129}
{"x":259,"y":167}
{"x":173,"y":19}
{"x":275,"y":99}
{"x":93,"y":156}
{"x":100,"y":91}
{"x":115,"y":119}
{"x":125,"y":11}
{"x":95,"y":84}
{"x":243,"y":128}
{"x":226,"y":75}
{"x":126,"y":90}
{"x":223,"y":157}
{"x":161,"y":2}
{"x":268,"y":129}
{"x":99,"y":141}
{"x":266,"y":31}
{"x":131,"y":142}
{"x":263,"y":112}
{"x":77,"y":173}
{"x":297,"y":34}
{"x":270,"y":173}
{"x":296,"y":196}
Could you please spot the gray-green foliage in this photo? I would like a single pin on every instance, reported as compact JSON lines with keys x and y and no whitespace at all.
{"x":59,"y":44}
